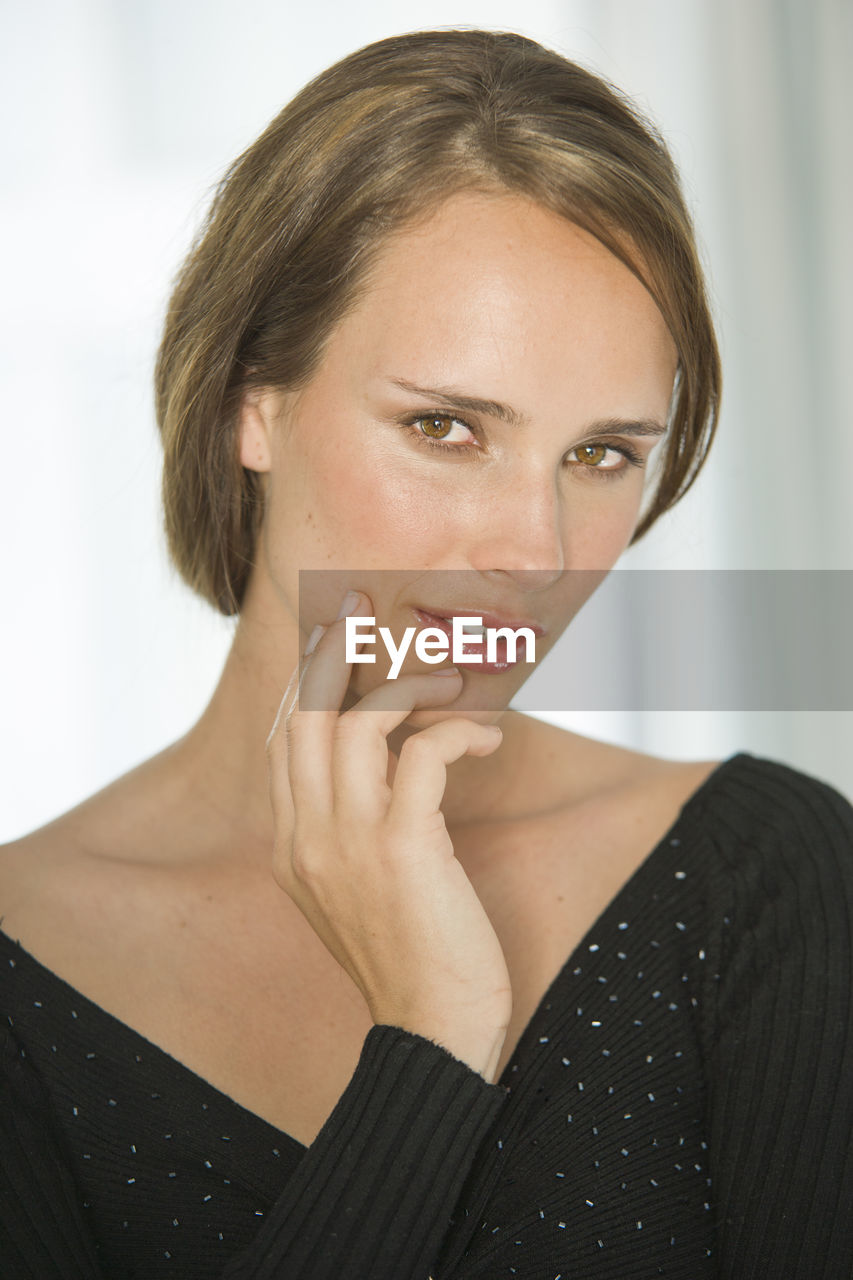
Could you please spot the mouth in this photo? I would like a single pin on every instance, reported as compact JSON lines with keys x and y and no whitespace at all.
{"x":474,"y":650}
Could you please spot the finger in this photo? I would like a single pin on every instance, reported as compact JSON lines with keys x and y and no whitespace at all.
{"x":276,"y":738}
{"x":360,"y":754}
{"x":276,"y":735}
{"x":275,"y":748}
{"x":310,"y":733}
{"x":393,"y":701}
{"x":421,"y":775}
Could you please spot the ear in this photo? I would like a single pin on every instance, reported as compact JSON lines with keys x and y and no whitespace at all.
{"x":258,"y":415}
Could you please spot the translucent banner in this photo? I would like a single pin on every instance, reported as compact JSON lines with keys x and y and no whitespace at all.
{"x":627,"y":640}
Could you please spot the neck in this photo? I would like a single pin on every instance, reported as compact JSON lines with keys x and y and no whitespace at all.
{"x":222,"y":763}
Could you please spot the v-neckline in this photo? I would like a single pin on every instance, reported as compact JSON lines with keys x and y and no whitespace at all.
{"x":271,"y":1131}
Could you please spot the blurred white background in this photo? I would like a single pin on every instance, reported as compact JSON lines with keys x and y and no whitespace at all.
{"x":119,"y":117}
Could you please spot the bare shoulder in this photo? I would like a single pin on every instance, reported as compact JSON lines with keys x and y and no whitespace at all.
{"x":568,"y":771}
{"x":35,"y":864}
{"x":593,"y":807}
{"x":575,"y":817}
{"x":64,"y":880}
{"x":48,"y":892}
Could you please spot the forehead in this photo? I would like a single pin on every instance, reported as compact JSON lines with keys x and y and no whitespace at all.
{"x":498,"y":289}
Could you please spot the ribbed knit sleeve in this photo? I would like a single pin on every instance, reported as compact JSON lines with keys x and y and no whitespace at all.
{"x":372,"y":1196}
{"x":779,"y":1060}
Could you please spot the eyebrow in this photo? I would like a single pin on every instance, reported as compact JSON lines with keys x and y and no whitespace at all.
{"x":505,"y":413}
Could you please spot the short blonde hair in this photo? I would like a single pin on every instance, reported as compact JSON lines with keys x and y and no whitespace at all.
{"x":376,"y":140}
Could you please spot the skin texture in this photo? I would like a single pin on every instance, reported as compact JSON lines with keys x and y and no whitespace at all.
{"x":155,"y":897}
{"x":500,"y":299}
{"x":503,"y":302}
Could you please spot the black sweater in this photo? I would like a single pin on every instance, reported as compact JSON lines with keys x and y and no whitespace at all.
{"x":681,"y":1103}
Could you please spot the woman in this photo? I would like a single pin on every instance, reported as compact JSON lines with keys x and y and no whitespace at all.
{"x":433,"y":988}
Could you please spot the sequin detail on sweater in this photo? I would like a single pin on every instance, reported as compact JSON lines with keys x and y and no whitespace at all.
{"x":679,"y":1105}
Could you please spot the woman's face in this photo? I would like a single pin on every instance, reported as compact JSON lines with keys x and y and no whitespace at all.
{"x":472,"y":433}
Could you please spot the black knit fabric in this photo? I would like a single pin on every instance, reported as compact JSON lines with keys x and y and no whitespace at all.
{"x":681,"y":1103}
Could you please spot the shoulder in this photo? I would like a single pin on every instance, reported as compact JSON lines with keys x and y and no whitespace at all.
{"x":571,"y":770}
{"x":133,"y":825}
{"x":779,"y":813}
{"x":65,"y":847}
{"x":48,"y":889}
{"x":778,"y":847}
{"x":30,"y":866}
{"x":89,"y":872}
{"x":766,"y":828}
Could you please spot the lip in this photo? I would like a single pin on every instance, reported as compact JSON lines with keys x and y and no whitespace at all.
{"x":476,"y":661}
{"x":491,"y":620}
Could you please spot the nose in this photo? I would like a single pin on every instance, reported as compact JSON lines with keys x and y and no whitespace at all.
{"x":523,"y":534}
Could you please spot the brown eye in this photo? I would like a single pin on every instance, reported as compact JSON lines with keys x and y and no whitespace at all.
{"x":592,"y":453}
{"x":443,"y":431}
{"x":437,"y":427}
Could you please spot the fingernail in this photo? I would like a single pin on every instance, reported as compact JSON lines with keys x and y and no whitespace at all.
{"x":448,"y":671}
{"x":350,"y":601}
{"x":314,"y":639}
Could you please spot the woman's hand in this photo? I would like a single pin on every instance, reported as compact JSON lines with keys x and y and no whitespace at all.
{"x":371,"y":865}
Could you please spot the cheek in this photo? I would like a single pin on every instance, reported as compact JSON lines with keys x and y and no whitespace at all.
{"x":383,"y":509}
{"x":348,"y":500}
{"x":598,"y":531}
{"x":599,"y":516}
{"x":377,"y":517}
